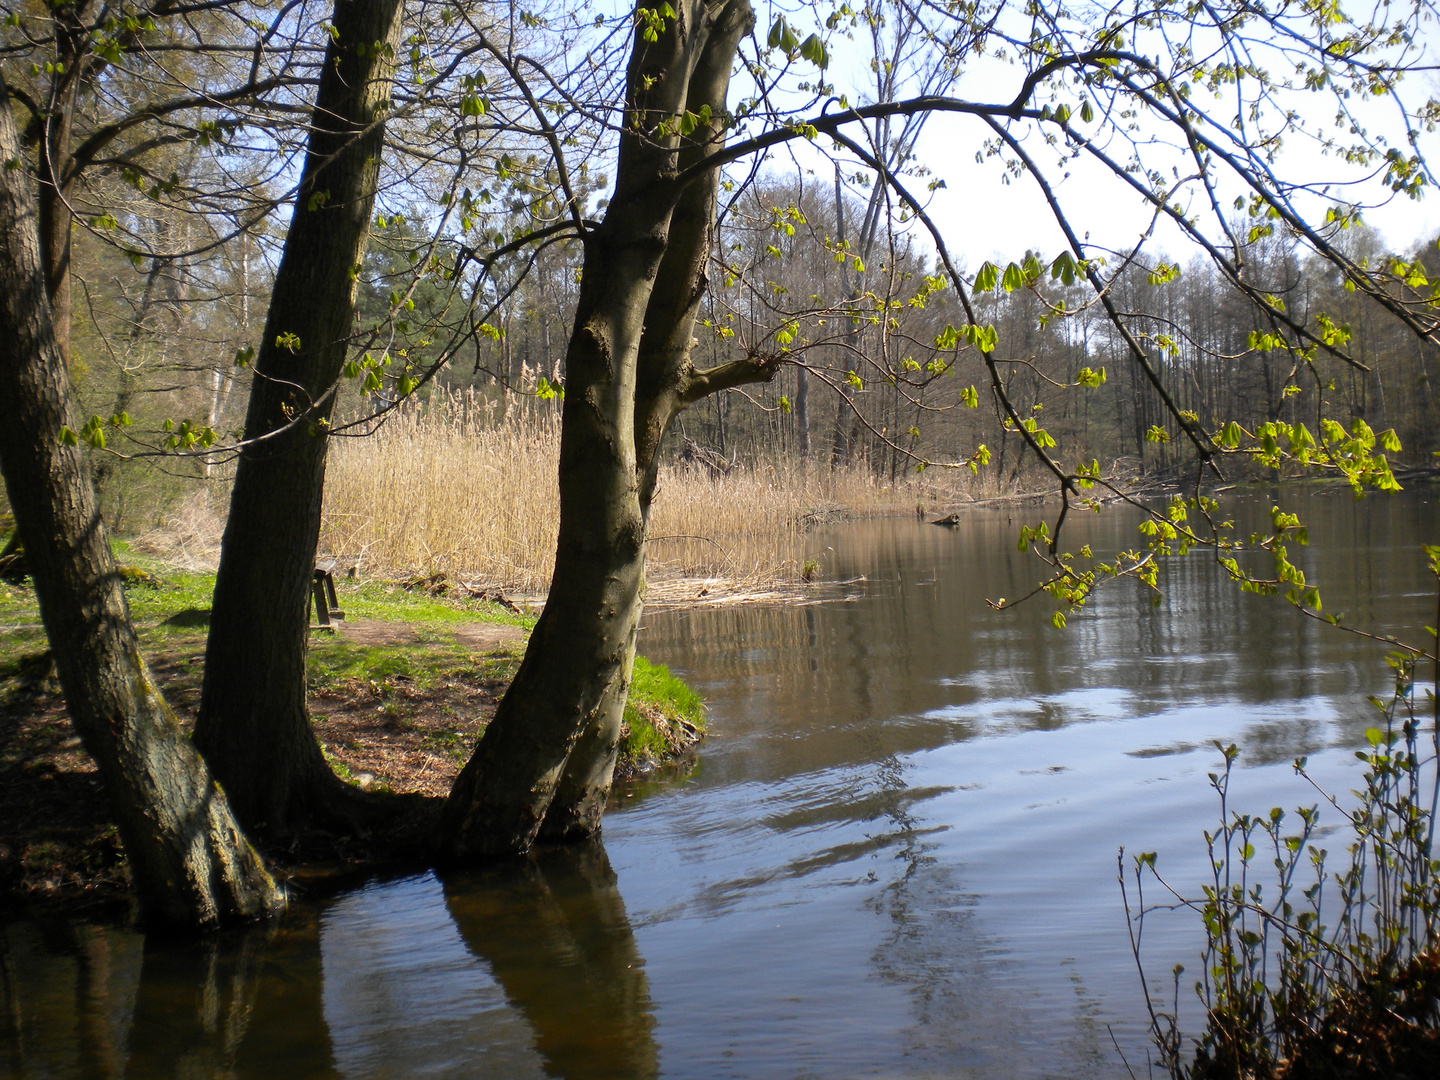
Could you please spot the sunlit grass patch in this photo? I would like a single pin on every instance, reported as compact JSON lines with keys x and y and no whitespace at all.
{"x":663,"y":716}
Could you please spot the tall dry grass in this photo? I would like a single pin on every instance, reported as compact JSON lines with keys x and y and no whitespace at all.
{"x":441,"y":492}
{"x":448,"y":491}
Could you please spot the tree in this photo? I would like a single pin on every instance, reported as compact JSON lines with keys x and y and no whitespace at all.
{"x":254,"y":720}
{"x":102,"y":106}
{"x":1117,"y":91}
{"x":1087,"y":87}
{"x":192,"y":864}
{"x":548,"y":756}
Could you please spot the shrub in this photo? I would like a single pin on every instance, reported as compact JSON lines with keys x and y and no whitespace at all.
{"x":1332,"y":973}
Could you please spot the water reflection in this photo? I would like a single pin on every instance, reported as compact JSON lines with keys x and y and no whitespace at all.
{"x":245,"y":1005}
{"x":55,"y":977}
{"x":1013,"y":759}
{"x":91,"y":1001}
{"x":896,"y":858}
{"x":525,"y":969}
{"x":554,"y":934}
{"x":919,"y":661}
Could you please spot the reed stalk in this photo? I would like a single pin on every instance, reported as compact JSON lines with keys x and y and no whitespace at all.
{"x":454,"y":490}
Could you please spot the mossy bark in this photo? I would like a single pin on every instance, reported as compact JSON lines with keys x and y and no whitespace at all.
{"x":254,"y":724}
{"x":191,"y":863}
{"x":547,"y":759}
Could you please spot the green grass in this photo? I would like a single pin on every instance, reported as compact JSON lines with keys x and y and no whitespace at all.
{"x":653,"y":687}
{"x":652,"y":684}
{"x":392,"y":603}
{"x":435,"y":659}
{"x":158,"y":592}
{"x":170,"y":607}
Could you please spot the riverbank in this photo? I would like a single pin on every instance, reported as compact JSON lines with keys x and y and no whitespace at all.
{"x":399,"y":694}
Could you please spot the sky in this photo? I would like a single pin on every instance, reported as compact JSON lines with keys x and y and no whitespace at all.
{"x":984,"y":217}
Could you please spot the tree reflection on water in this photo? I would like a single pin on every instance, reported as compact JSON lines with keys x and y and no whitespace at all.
{"x":554,"y":933}
{"x":79,"y":1000}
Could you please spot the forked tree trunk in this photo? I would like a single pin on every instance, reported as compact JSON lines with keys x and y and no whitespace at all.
{"x":254,"y":726}
{"x":191,"y":863}
{"x":547,"y":758}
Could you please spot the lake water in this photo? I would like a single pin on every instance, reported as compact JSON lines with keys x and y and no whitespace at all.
{"x":896,"y":856}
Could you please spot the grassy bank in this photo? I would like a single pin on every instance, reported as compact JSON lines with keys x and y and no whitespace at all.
{"x":398,"y":696}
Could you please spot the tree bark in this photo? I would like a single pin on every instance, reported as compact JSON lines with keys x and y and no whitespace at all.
{"x":802,"y":412}
{"x":548,"y":756}
{"x":57,"y":168}
{"x":254,"y":726}
{"x":191,"y":863}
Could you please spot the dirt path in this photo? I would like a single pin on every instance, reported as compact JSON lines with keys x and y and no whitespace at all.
{"x":480,"y":636}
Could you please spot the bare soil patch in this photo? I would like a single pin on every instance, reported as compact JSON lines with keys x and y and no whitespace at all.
{"x":412,"y":731}
{"x":471,"y":635}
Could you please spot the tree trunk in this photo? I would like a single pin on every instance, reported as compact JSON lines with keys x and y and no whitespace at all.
{"x":57,"y":173}
{"x":548,"y":756}
{"x":254,"y":726}
{"x":802,"y":412}
{"x":191,"y":864}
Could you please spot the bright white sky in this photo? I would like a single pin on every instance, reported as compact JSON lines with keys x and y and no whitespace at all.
{"x":989,"y":219}
{"x":985,"y":218}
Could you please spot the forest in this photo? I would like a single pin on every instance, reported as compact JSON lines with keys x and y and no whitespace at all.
{"x":886,"y":396}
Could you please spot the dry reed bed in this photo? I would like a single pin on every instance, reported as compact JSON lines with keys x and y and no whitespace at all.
{"x":442,"y":493}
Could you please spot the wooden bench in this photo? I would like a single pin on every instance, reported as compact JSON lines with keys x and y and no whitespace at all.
{"x":322,"y":589}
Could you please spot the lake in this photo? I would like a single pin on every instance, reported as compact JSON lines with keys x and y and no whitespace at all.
{"x":895,"y":857}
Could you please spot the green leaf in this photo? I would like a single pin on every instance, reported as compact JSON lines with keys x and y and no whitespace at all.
{"x":986,"y":277}
{"x":1064,"y":269}
{"x":813,"y":49}
{"x":94,"y":432}
{"x":985,"y":338}
{"x":1163,"y":274}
